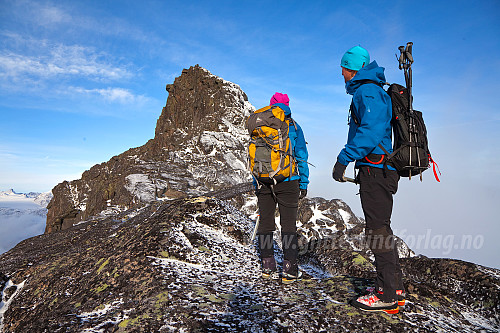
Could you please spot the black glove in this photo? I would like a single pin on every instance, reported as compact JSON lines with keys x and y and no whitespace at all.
{"x":257,"y":191}
{"x":338,"y":172}
{"x":303,"y":193}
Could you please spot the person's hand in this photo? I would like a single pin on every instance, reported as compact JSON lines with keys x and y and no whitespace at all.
{"x":256,"y":191}
{"x":338,"y":172}
{"x":303,"y":193}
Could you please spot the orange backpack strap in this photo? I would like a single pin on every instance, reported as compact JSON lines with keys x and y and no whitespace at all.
{"x":434,"y":166}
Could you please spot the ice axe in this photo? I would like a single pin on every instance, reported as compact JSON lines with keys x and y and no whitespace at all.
{"x":344,"y":177}
{"x":254,"y":233}
{"x":350,"y":180}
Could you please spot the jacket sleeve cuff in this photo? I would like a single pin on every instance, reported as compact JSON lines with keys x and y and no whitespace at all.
{"x":342,"y":160}
{"x":254,"y":182}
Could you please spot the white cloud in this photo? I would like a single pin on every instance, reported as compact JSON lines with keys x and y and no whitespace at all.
{"x":40,"y":60}
{"x":52,"y":70}
{"x":49,"y":15}
{"x":42,"y":14}
{"x":61,"y":17}
{"x":115,"y":95}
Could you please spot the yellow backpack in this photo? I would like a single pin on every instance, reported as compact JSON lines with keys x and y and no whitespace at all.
{"x":270,"y":153}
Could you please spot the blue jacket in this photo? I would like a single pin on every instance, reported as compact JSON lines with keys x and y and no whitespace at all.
{"x":373,"y":110}
{"x":299,"y":148}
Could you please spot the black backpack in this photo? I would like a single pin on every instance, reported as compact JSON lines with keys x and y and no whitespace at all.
{"x":411,"y":155}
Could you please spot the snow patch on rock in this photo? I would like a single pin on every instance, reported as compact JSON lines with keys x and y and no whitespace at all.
{"x":141,"y":187}
{"x":5,"y":300}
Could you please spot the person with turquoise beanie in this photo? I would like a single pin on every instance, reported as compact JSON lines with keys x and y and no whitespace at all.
{"x":369,"y":137}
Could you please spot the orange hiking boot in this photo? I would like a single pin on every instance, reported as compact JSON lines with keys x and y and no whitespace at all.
{"x":372,"y":303}
{"x":401,"y":297}
{"x":400,"y":294}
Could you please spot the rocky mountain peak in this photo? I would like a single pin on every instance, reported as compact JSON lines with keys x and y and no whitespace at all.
{"x":199,"y":146}
{"x":197,"y":102}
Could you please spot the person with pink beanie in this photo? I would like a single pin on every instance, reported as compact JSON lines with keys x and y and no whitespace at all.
{"x":286,"y":195}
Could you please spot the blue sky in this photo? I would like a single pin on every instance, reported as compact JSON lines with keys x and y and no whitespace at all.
{"x":81,"y":81}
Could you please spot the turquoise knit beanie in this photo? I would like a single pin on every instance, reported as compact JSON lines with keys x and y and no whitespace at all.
{"x":355,"y":58}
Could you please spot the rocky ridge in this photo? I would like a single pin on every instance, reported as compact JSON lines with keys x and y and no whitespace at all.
{"x":186,"y":265}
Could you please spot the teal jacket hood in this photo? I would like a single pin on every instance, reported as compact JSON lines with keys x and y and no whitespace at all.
{"x":286,"y":108}
{"x":371,"y":72}
{"x":372,"y":108}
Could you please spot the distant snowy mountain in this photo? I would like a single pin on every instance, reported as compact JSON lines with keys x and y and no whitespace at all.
{"x":22,"y":215}
{"x":41,"y":199}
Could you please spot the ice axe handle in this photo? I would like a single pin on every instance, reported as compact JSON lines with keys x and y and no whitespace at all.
{"x":350,"y":180}
{"x":254,"y":233}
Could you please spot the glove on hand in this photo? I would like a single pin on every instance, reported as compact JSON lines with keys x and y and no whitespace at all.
{"x":257,"y":191}
{"x":303,"y":193}
{"x":338,"y":172}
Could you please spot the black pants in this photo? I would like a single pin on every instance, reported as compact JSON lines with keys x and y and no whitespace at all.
{"x":376,"y":188}
{"x":286,"y":196}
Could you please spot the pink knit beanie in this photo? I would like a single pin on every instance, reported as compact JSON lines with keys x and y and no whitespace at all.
{"x":280,"y":98}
